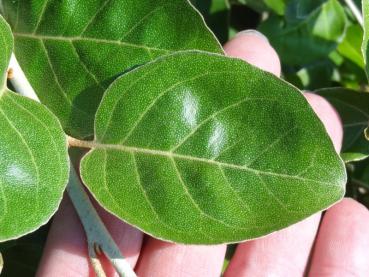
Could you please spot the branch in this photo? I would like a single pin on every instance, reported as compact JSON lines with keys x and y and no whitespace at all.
{"x":96,"y":242}
{"x":98,"y":237}
{"x":355,"y":11}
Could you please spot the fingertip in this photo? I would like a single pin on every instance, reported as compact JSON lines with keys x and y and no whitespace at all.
{"x":329,"y":117}
{"x":253,"y":47}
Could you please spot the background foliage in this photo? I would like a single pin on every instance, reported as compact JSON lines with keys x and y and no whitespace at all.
{"x":319,"y":43}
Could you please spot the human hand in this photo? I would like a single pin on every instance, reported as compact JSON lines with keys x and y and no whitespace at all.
{"x":335,"y":245}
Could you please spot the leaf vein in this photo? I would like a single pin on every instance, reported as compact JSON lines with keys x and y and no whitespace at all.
{"x":42,"y":13}
{"x":85,"y":67}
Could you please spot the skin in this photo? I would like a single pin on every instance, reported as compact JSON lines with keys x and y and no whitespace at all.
{"x":336,"y":244}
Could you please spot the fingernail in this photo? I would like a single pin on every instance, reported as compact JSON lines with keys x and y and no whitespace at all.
{"x":252,"y":32}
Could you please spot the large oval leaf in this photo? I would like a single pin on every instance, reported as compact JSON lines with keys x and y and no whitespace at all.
{"x":200,"y":148}
{"x":72,"y":50}
{"x":353,"y":108}
{"x":34,"y":163}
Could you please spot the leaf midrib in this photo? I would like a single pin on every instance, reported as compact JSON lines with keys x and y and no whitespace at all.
{"x":173,"y":155}
{"x":90,"y":39}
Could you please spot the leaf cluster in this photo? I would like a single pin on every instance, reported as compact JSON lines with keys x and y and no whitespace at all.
{"x":184,"y":143}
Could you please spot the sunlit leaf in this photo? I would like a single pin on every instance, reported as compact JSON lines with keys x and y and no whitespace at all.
{"x":365,"y":48}
{"x":71,"y":50}
{"x":33,"y":158}
{"x":350,"y":47}
{"x":200,"y":148}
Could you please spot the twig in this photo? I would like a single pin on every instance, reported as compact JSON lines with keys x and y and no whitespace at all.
{"x":98,"y":237}
{"x":95,"y":228}
{"x":355,"y":11}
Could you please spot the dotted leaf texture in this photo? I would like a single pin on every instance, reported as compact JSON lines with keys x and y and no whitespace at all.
{"x":203,"y":149}
{"x":72,"y":50}
{"x":34,"y":163}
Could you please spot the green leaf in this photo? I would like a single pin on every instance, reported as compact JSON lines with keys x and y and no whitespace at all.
{"x":6,"y":46}
{"x":33,"y":159}
{"x":71,"y":50}
{"x":364,"y":47}
{"x":216,"y":14}
{"x":350,"y":46}
{"x":310,"y":38}
{"x":278,"y":6}
{"x":353,"y":108}
{"x":299,"y":10}
{"x":315,"y":75}
{"x":200,"y":148}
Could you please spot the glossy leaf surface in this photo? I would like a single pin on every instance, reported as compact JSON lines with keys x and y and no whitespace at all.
{"x":353,"y":108}
{"x":34,"y":163}
{"x":72,"y":50}
{"x":200,"y":148}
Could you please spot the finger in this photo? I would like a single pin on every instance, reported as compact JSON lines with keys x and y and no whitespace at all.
{"x":166,"y":259}
{"x":66,"y":254}
{"x":283,"y":253}
{"x":253,"y":47}
{"x":342,"y":245}
{"x":286,"y":252}
{"x":329,"y":117}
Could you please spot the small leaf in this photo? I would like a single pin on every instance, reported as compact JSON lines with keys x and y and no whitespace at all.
{"x":278,"y":6}
{"x":310,"y":36}
{"x":350,"y":46}
{"x":200,"y":148}
{"x":364,"y":47}
{"x":353,"y":108}
{"x":33,"y":159}
{"x":72,"y":50}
